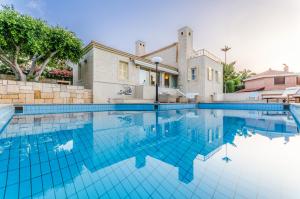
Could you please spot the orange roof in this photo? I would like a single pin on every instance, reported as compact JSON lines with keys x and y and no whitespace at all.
{"x":271,"y":73}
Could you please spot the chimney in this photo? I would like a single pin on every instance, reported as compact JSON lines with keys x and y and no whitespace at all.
{"x":140,"y":48}
{"x":286,"y":68}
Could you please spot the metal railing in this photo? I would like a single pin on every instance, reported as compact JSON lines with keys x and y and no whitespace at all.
{"x":203,"y":52}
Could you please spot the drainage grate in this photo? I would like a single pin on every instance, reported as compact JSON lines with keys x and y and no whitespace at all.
{"x":18,"y":109}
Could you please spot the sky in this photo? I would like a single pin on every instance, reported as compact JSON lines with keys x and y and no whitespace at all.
{"x":263,"y":34}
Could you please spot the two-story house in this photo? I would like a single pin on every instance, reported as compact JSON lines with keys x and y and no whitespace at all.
{"x":107,"y":71}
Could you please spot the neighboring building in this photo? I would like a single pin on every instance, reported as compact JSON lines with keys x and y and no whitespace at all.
{"x":107,"y":71}
{"x":272,"y":80}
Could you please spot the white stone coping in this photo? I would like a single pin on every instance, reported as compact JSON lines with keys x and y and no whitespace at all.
{"x":6,"y":113}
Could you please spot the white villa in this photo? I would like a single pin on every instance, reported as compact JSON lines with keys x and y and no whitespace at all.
{"x":184,"y":70}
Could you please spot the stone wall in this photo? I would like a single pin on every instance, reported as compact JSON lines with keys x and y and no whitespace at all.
{"x":50,"y":123}
{"x":16,"y":92}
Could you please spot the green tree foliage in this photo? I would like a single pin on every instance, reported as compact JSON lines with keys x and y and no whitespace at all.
{"x":233,"y":80}
{"x":28,"y":45}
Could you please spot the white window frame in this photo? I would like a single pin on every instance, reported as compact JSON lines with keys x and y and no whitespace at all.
{"x":217,"y":76}
{"x":123,"y":70}
{"x":193,"y":75}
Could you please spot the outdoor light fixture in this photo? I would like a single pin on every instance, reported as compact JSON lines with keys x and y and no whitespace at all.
{"x":156,"y":61}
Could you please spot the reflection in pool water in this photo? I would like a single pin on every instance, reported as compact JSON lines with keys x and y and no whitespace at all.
{"x":178,"y":154}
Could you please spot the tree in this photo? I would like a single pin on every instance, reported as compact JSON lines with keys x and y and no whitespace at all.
{"x":234,"y":81}
{"x":229,"y":76}
{"x":28,"y":45}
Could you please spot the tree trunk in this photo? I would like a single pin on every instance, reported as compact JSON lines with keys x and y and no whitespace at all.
{"x":39,"y":73}
{"x":16,"y":65}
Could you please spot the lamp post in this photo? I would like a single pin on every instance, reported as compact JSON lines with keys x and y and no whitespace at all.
{"x":156,"y":61}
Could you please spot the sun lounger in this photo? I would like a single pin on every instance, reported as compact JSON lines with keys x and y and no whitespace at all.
{"x":166,"y":98}
{"x":287,"y":96}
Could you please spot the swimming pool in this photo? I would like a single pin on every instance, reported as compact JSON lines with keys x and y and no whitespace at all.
{"x":192,"y":153}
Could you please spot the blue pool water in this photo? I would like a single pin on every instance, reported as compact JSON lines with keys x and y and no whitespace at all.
{"x":167,"y":154}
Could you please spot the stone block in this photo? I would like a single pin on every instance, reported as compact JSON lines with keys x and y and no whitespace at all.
{"x":87,"y":101}
{"x":48,"y":101}
{"x":5,"y":101}
{"x":37,"y":86}
{"x":10,"y":96}
{"x":37,"y":94}
{"x":30,"y":83}
{"x":73,"y":95}
{"x":29,"y":96}
{"x":87,"y":94}
{"x":63,"y":88}
{"x":69,"y":101}
{"x":47,"y":95}
{"x":46,"y":85}
{"x":3,"y":89}
{"x":13,"y":88}
{"x":39,"y":101}
{"x":80,"y":95}
{"x":4,"y":82}
{"x":78,"y":101}
{"x":71,"y":87}
{"x":22,"y":96}
{"x":47,"y":89}
{"x":56,"y":89}
{"x":21,"y":83}
{"x":58,"y":101}
{"x":79,"y":91}
{"x":26,"y":91}
{"x":11,"y":82}
{"x":64,"y":94}
{"x":29,"y":101}
{"x":56,"y":95}
{"x":26,"y":87}
{"x":18,"y":101}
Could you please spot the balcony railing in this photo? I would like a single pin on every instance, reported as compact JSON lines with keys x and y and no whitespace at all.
{"x":204,"y":52}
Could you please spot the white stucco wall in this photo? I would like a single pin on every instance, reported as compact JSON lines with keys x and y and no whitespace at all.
{"x":86,"y":77}
{"x":201,"y":84}
{"x":105,"y":78}
{"x":169,"y":56}
{"x":212,"y":87}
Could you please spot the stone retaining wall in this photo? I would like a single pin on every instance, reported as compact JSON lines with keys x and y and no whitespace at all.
{"x":16,"y":92}
{"x":43,"y":124}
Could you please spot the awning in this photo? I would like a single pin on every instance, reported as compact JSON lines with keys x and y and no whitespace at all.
{"x":251,"y":89}
{"x":152,"y":66}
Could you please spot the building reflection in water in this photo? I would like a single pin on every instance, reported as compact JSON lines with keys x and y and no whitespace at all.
{"x":101,"y":139}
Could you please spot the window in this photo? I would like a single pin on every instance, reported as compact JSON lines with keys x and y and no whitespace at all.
{"x":153,"y":78}
{"x":193,"y":73}
{"x":210,"y":73}
{"x":167,"y":80}
{"x":298,"y":80}
{"x":217,"y":76}
{"x":123,"y":70}
{"x":173,"y":81}
{"x":279,"y":80}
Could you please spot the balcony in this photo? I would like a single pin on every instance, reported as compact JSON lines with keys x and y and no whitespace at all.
{"x":203,"y":52}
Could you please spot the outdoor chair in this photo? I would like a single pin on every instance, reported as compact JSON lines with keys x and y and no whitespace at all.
{"x":166,"y":98}
{"x":287,"y":96}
